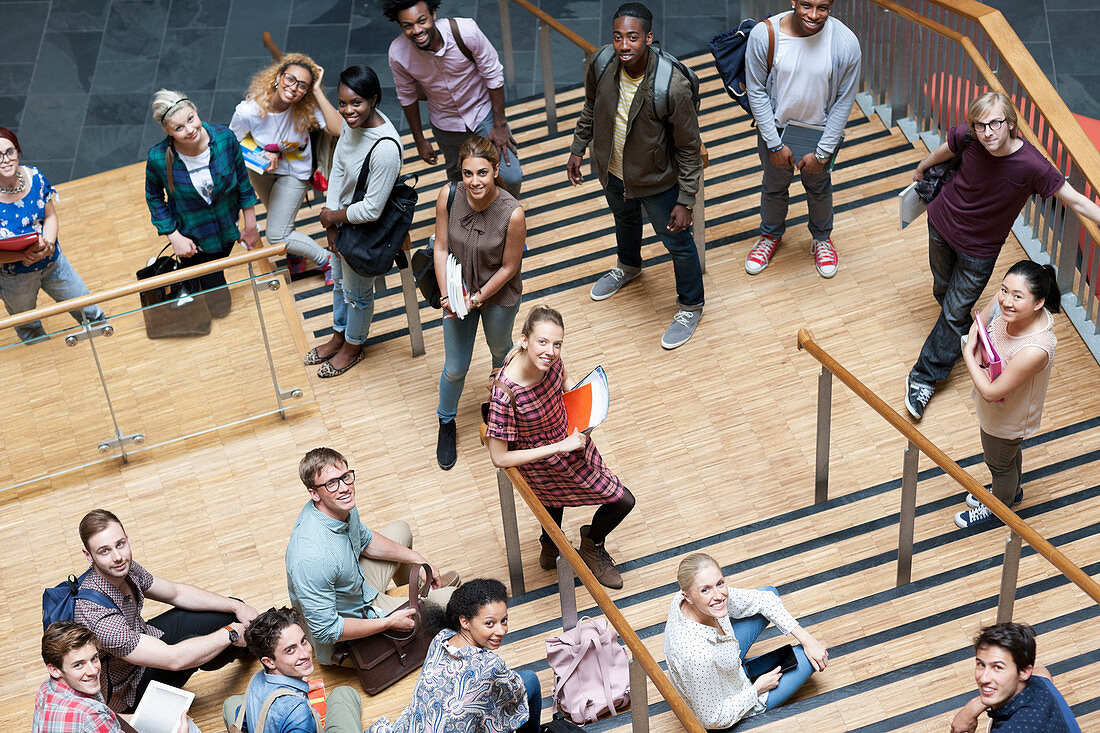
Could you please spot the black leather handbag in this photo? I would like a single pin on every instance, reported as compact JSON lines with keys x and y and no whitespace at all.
{"x":936,"y":177}
{"x":372,"y":247}
{"x":170,"y":311}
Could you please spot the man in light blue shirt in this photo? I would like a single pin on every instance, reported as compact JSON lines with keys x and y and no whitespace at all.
{"x":337,"y":569}
{"x":277,"y":639}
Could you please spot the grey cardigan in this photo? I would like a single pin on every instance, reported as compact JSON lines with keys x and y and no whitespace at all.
{"x":842,"y":83}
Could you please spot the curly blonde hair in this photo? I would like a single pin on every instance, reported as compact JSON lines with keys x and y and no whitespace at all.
{"x":261,"y":89}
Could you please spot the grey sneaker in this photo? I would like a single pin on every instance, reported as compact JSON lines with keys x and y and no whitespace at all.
{"x":683,"y":325}
{"x":916,"y":397}
{"x":610,"y":283}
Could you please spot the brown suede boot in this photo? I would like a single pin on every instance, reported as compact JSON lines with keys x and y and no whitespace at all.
{"x":548,"y":557}
{"x":599,"y":562}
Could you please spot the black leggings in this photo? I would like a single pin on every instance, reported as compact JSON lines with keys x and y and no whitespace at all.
{"x":607,"y":517}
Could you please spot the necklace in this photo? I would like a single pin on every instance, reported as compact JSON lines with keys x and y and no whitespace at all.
{"x":18,"y":187}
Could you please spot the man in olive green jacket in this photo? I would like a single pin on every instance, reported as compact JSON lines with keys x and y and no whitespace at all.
{"x":644,"y":162}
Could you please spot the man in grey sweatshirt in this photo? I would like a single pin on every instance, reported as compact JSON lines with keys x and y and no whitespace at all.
{"x":802,"y":66}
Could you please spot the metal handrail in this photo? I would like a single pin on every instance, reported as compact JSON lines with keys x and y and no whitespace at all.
{"x":1016,"y":525}
{"x":637,"y":649}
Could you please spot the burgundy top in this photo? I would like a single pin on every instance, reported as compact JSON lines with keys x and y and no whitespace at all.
{"x":976,"y":208}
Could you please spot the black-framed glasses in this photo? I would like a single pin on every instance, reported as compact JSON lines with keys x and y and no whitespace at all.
{"x":9,"y":154}
{"x":993,"y":125}
{"x":333,"y":484}
{"x":292,"y":83}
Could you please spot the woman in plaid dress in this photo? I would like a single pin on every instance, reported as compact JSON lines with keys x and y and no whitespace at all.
{"x":527,"y":429}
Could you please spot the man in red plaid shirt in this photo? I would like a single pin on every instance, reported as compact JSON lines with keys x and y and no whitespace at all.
{"x":70,"y":701}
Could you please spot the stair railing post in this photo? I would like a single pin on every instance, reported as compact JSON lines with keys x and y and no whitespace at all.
{"x":508,"y":57}
{"x":1010,"y":571}
{"x":908,"y":513}
{"x":567,"y":594}
{"x":548,"y":78}
{"x":824,"y":419}
{"x":511,"y":531}
{"x":639,"y":698}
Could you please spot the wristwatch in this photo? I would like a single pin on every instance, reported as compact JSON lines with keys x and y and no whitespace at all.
{"x":233,"y":635}
{"x":823,"y":159}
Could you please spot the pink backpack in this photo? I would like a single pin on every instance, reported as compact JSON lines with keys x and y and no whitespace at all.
{"x":591,"y":671}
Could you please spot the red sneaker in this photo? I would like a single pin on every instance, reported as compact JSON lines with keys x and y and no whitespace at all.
{"x":825,"y":258}
{"x":761,"y":254}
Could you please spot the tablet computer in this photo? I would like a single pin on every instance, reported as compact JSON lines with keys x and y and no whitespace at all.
{"x":160,"y":708}
{"x":782,"y":657}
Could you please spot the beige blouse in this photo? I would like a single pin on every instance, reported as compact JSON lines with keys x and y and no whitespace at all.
{"x":476,"y":239}
{"x":1018,"y":414}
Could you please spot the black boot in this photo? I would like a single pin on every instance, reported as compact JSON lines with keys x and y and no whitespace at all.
{"x":445,"y":450}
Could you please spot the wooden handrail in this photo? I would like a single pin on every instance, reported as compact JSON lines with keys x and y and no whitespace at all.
{"x":1043,"y":95}
{"x":941,"y":459}
{"x":121,"y":291}
{"x":630,"y":638}
{"x":545,"y":17}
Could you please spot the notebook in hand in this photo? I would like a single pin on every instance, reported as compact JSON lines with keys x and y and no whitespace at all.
{"x":19,"y":243}
{"x":987,"y":352}
{"x":802,"y":139}
{"x":587,"y":403}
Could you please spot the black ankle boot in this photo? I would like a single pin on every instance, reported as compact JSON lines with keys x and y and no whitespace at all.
{"x":446,"y":452}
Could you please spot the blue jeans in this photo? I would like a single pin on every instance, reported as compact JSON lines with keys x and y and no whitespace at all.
{"x":449,"y":142}
{"x":458,"y":347}
{"x":352,"y":302}
{"x":774,"y":195}
{"x":746,"y":630}
{"x":681,"y":245}
{"x":957,"y":282}
{"x":534,"y":701}
{"x":59,"y":280}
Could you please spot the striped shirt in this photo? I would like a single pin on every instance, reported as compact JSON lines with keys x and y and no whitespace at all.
{"x":59,"y":708}
{"x":628,"y":86}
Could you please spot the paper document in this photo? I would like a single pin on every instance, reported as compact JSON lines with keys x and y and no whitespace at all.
{"x":802,"y":139}
{"x":910,"y":205}
{"x":456,"y":291}
{"x":587,"y":403}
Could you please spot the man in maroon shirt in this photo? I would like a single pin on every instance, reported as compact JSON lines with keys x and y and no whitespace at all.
{"x":969,"y":222}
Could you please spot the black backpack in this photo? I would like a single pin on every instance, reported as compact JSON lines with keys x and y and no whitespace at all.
{"x":662,"y":79}
{"x":728,"y":49}
{"x":59,"y":602}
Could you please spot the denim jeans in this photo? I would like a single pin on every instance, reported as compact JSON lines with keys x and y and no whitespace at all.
{"x":681,"y":245}
{"x":458,"y":346}
{"x":59,"y":280}
{"x":746,"y":630}
{"x":282,"y":196}
{"x":534,"y":701}
{"x":352,"y":302}
{"x":957,"y":282}
{"x":774,"y":195}
{"x":449,"y":142}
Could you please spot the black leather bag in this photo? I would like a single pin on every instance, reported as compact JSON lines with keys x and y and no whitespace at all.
{"x":383,"y":659}
{"x":371,"y":248}
{"x":170,"y":311}
{"x":560,"y":724}
{"x":423,"y":262}
{"x":936,"y":177}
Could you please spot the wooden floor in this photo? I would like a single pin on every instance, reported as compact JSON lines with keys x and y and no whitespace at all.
{"x":715,"y":439}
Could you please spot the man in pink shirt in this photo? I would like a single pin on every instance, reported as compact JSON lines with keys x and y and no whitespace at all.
{"x":461,"y":79}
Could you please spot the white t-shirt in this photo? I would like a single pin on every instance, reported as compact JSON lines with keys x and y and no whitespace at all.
{"x":276,"y":128}
{"x":802,"y":67}
{"x":198,"y":167}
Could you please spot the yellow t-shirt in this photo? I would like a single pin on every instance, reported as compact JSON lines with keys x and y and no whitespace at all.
{"x":628,"y":86}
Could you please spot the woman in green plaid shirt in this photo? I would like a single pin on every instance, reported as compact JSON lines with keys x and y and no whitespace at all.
{"x":197,"y":205}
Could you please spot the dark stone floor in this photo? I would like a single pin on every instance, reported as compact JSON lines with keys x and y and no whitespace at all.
{"x":76,"y":76}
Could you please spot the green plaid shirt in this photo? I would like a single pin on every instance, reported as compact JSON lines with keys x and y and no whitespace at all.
{"x":212,"y":227}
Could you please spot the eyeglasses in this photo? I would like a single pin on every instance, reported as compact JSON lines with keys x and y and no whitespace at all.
{"x":333,"y":484}
{"x":993,"y":125}
{"x":291,"y":83}
{"x":9,"y":154}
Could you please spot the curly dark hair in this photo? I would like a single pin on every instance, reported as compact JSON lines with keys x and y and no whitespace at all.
{"x":390,"y":8}
{"x":466,"y":601}
{"x":262,"y":634}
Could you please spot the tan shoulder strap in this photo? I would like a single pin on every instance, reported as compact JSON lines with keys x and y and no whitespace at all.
{"x":258,"y":727}
{"x":460,"y":43}
{"x":771,"y":44}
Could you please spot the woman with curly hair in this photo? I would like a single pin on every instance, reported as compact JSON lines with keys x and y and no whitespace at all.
{"x":284,"y":102}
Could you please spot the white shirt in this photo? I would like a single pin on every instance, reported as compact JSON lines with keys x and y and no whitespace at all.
{"x":276,"y":128}
{"x":705,"y":664}
{"x":802,"y":67}
{"x":198,"y":167}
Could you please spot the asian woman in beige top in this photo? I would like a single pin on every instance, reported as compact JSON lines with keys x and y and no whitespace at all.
{"x":1021,"y":329}
{"x":483,"y":226}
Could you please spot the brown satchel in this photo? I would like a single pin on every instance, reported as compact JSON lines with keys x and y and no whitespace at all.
{"x":383,"y":659}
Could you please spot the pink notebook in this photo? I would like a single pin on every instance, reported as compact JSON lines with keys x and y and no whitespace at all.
{"x":19,"y":243}
{"x":987,"y":353}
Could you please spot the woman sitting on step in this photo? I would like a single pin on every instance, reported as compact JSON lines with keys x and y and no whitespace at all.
{"x":709,"y":631}
{"x":527,"y":429}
